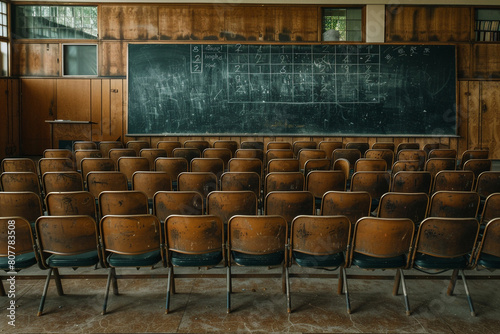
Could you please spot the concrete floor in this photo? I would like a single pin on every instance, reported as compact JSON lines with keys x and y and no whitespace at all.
{"x":258,"y":304}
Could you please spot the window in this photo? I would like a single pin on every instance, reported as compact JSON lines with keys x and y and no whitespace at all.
{"x":4,"y":40}
{"x":80,"y":59}
{"x":487,"y":25}
{"x":3,"y":19}
{"x":342,"y":24}
{"x":57,"y":22}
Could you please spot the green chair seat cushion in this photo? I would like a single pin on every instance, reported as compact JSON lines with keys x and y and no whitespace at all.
{"x":432,"y":262}
{"x":81,"y":260}
{"x":195,"y":260}
{"x":139,"y":260}
{"x":370,"y":262}
{"x":272,"y":259}
{"x":489,"y":261}
{"x":22,"y":261}
{"x":318,"y":261}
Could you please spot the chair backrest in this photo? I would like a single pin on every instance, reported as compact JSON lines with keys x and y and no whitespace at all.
{"x":279,"y":145}
{"x":412,"y":182}
{"x":168,"y":203}
{"x":130,"y":234}
{"x":130,"y":165}
{"x":225,"y":204}
{"x":238,"y":181}
{"x":232,"y":145}
{"x":491,"y":209}
{"x":435,"y":165}
{"x":301,"y":144}
{"x":58,"y":153}
{"x":246,"y":165}
{"x":446,"y":237}
{"x":376,"y":183}
{"x":137,"y":145}
{"x":319,"y":182}
{"x":173,"y":166}
{"x":24,"y":204}
{"x":309,"y":153}
{"x":249,"y":153}
{"x":24,"y":241}
{"x":477,"y":166}
{"x":406,"y":165}
{"x":278,"y":154}
{"x":105,"y":146}
{"x":316,"y":164}
{"x":319,"y":235}
{"x":18,"y":165}
{"x":453,"y":180}
{"x":188,"y":153}
{"x":71,"y":203}
{"x":353,"y":205}
{"x":150,"y":182}
{"x":66,"y":235}
{"x":488,"y":183}
{"x":189,"y":234}
{"x":284,"y":181}
{"x":370,"y":164}
{"x":152,"y":154}
{"x":386,"y":154}
{"x":361,"y":147}
{"x":329,"y":147}
{"x":383,"y":238}
{"x":454,"y":204}
{"x":473,"y":154}
{"x":407,"y":146}
{"x":20,"y":181}
{"x":126,"y":202}
{"x":222,"y":153}
{"x":81,"y":154}
{"x":289,"y":204}
{"x":283,"y":165}
{"x":198,"y":144}
{"x":419,"y":155}
{"x":116,"y":153}
{"x":404,"y":205}
{"x":97,"y":165}
{"x":62,"y":181}
{"x":490,"y":243}
{"x":212,"y":165}
{"x":257,"y":235}
{"x":84,"y":145}
{"x":343,"y":165}
{"x":431,"y":146}
{"x":383,"y":146}
{"x":55,"y":165}
{"x":252,"y":144}
{"x":203,"y":182}
{"x":350,"y":155}
{"x":100,"y":181}
{"x":442,"y":153}
{"x":168,"y":146}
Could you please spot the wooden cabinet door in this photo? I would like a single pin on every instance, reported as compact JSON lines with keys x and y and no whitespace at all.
{"x":490,"y":117}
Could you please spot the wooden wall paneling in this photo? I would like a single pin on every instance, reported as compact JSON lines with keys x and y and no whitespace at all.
{"x":297,"y":23}
{"x":9,"y":114}
{"x":473,"y":116}
{"x":35,"y":59}
{"x":250,"y":23}
{"x":118,"y":107}
{"x":5,"y":126}
{"x":113,"y":58}
{"x":96,"y":110}
{"x":106,"y":117}
{"x":405,"y":23}
{"x":486,"y":61}
{"x":463,"y":115}
{"x":490,"y":117}
{"x":73,"y":99}
{"x":38,"y":104}
{"x":129,"y":22}
{"x":449,"y":24}
{"x":13,"y":146}
{"x":207,"y":22}
{"x":464,"y":60}
{"x":175,"y":23}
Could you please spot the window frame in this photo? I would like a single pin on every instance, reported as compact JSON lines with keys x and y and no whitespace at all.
{"x":63,"y":62}
{"x":5,"y":72}
{"x":347,"y":7}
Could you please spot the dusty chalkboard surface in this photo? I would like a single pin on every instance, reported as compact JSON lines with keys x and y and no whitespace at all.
{"x":248,"y":89}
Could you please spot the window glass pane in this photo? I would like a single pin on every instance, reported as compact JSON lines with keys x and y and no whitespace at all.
{"x":342,"y":24}
{"x":4,"y":59}
{"x":80,"y":59}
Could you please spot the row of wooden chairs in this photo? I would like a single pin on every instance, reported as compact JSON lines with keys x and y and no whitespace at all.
{"x":258,"y":241}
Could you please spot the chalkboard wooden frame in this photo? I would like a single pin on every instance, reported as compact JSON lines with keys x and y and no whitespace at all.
{"x":189,"y":89}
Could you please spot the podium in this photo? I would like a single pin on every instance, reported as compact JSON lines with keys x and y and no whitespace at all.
{"x":69,"y":131}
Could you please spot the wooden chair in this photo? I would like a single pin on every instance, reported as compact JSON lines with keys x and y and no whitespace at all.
{"x":278,"y":154}
{"x":316,"y":164}
{"x":137,"y":145}
{"x":446,"y":244}
{"x":284,"y":181}
{"x":329,"y":147}
{"x":412,"y":182}
{"x":192,"y":241}
{"x":18,"y":165}
{"x":279,"y":145}
{"x":130,"y":241}
{"x":488,"y":183}
{"x":188,"y":153}
{"x":105,"y":146}
{"x":442,"y":153}
{"x":252,"y":144}
{"x":453,"y":180}
{"x":488,"y":253}
{"x":283,"y":165}
{"x":97,"y":165}
{"x":125,"y":202}
{"x":202,"y":182}
{"x":71,"y":203}
{"x":343,"y":165}
{"x":473,"y":154}
{"x":201,"y":145}
{"x":406,"y":165}
{"x":454,"y":204}
{"x":302,"y":144}
{"x":413,"y":206}
{"x":361,"y":147}
{"x":130,"y":165}
{"x":212,"y":165}
{"x":289,"y":204}
{"x":168,"y":146}
{"x":66,"y":242}
{"x":435,"y":165}
{"x":249,"y":153}
{"x":491,"y":208}
{"x":62,"y":181}
{"x":368,"y":164}
{"x":81,"y":154}
{"x":117,"y":153}
{"x":20,"y":181}
{"x":232,"y":145}
{"x":222,"y":153}
{"x":173,"y":167}
{"x":376,"y":183}
{"x":55,"y":165}
{"x":84,"y":145}
{"x":353,"y":205}
{"x":225,"y":204}
{"x":241,"y":181}
{"x":384,"y":243}
{"x":419,"y":155}
{"x":306,"y":154}
{"x":350,"y":155}
{"x":407,"y":146}
{"x":431,"y":146}
{"x":166,"y":203}
{"x":152,"y":154}
{"x":319,"y":182}
{"x":323,"y":246}
{"x":150,"y":182}
{"x":383,"y":146}
{"x":25,"y":204}
{"x":385,"y":154}
{"x":57,"y":153}
{"x":477,"y":166}
{"x":257,"y":241}
{"x":246,"y":165}
{"x":100,"y":181}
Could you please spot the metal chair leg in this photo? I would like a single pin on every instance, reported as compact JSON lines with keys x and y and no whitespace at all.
{"x":397,"y":280}
{"x":469,"y":299}
{"x":169,"y":284}
{"x":340,"y":285}
{"x":453,"y":282}
{"x":346,"y":290}
{"x":110,"y":277}
{"x":229,"y":289}
{"x":57,"y":278}
{"x":288,"y":299}
{"x":44,"y":293}
{"x":2,"y":289}
{"x":405,"y":294}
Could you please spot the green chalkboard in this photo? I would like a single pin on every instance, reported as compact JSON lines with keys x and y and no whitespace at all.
{"x":315,"y":89}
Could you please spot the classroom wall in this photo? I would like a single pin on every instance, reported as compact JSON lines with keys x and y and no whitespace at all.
{"x":46,"y":95}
